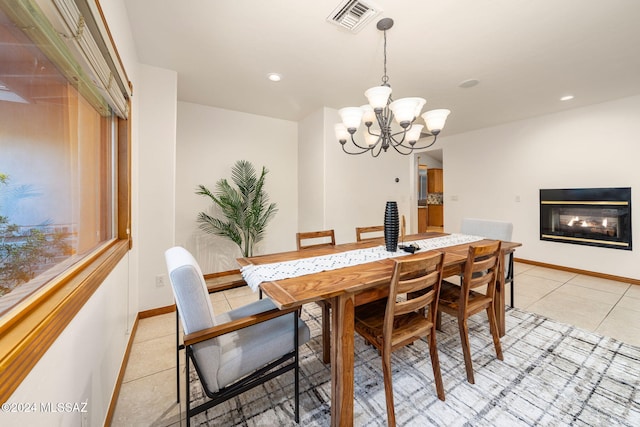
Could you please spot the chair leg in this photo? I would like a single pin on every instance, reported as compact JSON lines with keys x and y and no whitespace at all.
{"x":466,"y":348}
{"x":326,"y":334}
{"x":435,"y":363}
{"x":493,"y":326}
{"x":188,"y":403}
{"x":509,"y":278}
{"x":297,"y":368}
{"x":177,"y":356}
{"x":513,"y":305}
{"x":388,"y":388}
{"x":439,"y":320}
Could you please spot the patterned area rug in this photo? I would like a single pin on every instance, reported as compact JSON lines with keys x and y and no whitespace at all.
{"x":553,"y":374}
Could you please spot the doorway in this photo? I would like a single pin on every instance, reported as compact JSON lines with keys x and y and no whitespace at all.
{"x":430,"y":189}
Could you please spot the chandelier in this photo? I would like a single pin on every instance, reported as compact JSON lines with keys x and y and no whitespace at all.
{"x":379,"y":114}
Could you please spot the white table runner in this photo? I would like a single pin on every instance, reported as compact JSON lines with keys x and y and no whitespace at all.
{"x":256,"y":274}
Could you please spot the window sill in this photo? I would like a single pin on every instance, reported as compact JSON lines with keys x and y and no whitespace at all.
{"x":26,"y":336}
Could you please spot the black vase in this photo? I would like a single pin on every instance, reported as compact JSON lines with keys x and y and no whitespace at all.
{"x":391,"y":226}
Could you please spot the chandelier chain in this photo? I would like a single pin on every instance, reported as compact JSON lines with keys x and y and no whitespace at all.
{"x":385,"y":78}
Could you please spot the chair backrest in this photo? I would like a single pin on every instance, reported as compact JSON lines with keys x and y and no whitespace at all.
{"x":420,"y":276}
{"x":366,"y":230}
{"x":195,"y":309}
{"x":481,"y":268}
{"x":499,"y":230}
{"x":312,"y":235}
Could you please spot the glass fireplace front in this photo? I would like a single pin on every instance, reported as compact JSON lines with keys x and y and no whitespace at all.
{"x":587,"y":216}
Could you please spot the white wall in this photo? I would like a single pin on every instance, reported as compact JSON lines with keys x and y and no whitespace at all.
{"x":210,"y":141}
{"x":314,"y":183}
{"x":355,"y":188}
{"x":311,"y":170}
{"x":595,"y":146}
{"x":157,"y":93}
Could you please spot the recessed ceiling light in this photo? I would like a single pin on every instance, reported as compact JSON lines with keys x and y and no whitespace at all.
{"x":566,"y":98}
{"x":468,"y":83}
{"x":274,"y":77}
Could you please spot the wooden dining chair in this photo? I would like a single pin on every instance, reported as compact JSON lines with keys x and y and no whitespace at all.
{"x":315,"y":235}
{"x":481,"y":269}
{"x":391,"y":323}
{"x":497,"y":230}
{"x":366,"y":230}
{"x":324,"y":305}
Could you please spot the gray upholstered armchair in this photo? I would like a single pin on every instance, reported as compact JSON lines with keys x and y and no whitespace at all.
{"x":234,"y":351}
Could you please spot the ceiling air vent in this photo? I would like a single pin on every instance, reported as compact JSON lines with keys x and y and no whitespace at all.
{"x":354,"y":14}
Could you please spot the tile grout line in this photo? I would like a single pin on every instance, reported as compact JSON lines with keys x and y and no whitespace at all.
{"x":610,"y":309}
{"x":614,"y":306}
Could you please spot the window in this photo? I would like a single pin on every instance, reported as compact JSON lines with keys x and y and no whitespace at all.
{"x":64,"y":173}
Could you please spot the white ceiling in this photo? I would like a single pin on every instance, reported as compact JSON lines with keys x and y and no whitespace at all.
{"x":525,"y":53}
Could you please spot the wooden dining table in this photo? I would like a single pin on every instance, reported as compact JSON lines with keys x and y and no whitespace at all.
{"x":348,"y":287}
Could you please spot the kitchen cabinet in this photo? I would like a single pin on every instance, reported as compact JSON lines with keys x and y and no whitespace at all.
{"x":422,"y":219}
{"x":435,"y":215}
{"x":434,"y":181}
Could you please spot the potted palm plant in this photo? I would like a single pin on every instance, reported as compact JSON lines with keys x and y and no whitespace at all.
{"x":246,"y":209}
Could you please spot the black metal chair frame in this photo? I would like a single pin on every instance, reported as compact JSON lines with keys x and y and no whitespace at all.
{"x":180,"y":346}
{"x":248,"y":382}
{"x":509,"y":277}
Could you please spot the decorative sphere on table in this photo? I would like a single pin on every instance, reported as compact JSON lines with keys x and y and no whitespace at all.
{"x":391,"y":226}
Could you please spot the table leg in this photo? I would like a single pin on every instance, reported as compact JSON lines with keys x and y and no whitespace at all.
{"x":499,"y":300}
{"x":342,"y":338}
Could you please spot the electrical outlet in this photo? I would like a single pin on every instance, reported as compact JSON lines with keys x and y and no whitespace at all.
{"x":160,"y":280}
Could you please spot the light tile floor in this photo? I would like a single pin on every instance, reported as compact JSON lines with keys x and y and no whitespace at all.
{"x":148,"y":392}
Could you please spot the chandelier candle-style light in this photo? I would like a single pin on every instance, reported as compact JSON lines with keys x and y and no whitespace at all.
{"x":381,"y":110}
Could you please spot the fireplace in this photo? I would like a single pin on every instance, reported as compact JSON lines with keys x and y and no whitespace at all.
{"x":587,"y":216}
